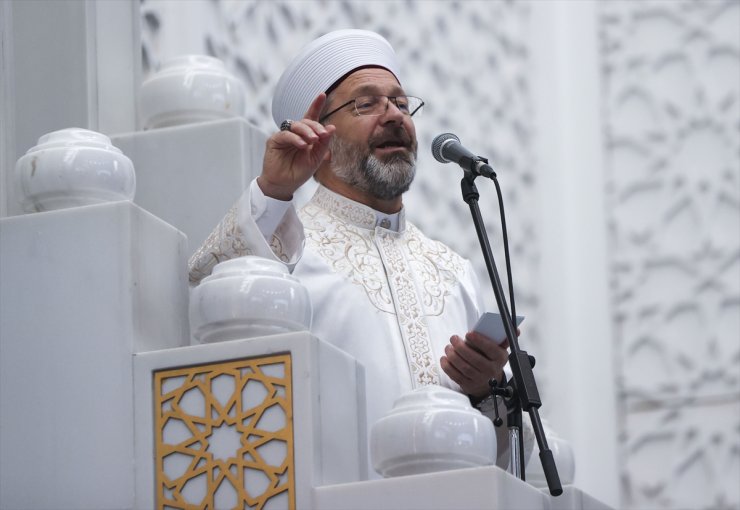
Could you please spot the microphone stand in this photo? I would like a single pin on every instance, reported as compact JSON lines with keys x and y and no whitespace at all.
{"x":522,"y":390}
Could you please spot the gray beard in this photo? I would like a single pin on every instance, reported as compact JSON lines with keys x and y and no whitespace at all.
{"x":384,"y":180}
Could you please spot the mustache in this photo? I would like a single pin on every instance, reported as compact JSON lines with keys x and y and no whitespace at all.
{"x":393,"y":135}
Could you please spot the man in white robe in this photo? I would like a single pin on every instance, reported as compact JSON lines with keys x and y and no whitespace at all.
{"x":382,"y":291}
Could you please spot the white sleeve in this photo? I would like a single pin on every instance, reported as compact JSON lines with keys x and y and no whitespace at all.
{"x":286,"y":241}
{"x":278,"y":235}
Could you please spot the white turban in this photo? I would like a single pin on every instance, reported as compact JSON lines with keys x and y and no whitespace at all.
{"x":324,"y":61}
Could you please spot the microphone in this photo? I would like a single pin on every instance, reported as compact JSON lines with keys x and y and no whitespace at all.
{"x":446,"y":148}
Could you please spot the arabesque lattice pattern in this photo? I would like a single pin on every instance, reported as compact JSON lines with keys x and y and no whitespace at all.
{"x":672,"y":103}
{"x":224,"y":435}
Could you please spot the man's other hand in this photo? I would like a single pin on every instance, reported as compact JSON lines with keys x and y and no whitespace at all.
{"x":472,"y":362}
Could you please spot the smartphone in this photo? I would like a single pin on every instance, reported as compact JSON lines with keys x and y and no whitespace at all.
{"x":491,"y":325}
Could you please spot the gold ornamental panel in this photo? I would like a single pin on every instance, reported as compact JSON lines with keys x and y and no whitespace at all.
{"x":224,"y":435}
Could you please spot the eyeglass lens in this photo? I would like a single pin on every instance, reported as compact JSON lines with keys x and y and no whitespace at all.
{"x":377,"y":105}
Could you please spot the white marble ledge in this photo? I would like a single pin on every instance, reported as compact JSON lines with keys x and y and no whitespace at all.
{"x":112,"y":267}
{"x":573,"y":498}
{"x":480,"y":488}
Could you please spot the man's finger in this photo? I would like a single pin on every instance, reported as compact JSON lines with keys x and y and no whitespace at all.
{"x":284,"y":139}
{"x":472,"y":357}
{"x":314,"y":110}
{"x":318,"y":128}
{"x":451,"y":370}
{"x":483,"y":344}
{"x":305,"y":131}
{"x":468,"y":362}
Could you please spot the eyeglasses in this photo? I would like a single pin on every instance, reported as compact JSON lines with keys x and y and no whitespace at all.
{"x":371,"y":106}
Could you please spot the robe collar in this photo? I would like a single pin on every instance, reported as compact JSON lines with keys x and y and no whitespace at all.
{"x":358,"y":214}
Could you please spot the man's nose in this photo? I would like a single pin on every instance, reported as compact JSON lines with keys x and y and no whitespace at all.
{"x":392,"y":112}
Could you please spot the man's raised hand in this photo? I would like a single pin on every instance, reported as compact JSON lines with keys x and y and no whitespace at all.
{"x":292,"y":157}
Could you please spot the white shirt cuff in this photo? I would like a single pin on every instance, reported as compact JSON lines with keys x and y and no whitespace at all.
{"x":267,"y":212}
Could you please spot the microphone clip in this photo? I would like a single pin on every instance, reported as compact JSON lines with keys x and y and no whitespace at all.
{"x":479,"y":166}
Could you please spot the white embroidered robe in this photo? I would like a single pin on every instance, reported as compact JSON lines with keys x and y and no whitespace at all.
{"x":390,"y":299}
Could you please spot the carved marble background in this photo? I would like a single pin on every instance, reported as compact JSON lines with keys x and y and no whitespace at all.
{"x":671,"y":121}
{"x":671,"y":74}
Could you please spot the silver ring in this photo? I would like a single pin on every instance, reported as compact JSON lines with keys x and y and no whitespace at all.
{"x":286,"y":125}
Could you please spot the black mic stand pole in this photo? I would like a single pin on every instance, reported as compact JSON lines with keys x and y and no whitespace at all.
{"x":524,"y":385}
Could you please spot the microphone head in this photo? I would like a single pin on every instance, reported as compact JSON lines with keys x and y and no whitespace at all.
{"x":439,"y":142}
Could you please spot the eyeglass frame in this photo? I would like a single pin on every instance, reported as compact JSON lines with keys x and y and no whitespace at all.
{"x":389,"y":98}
